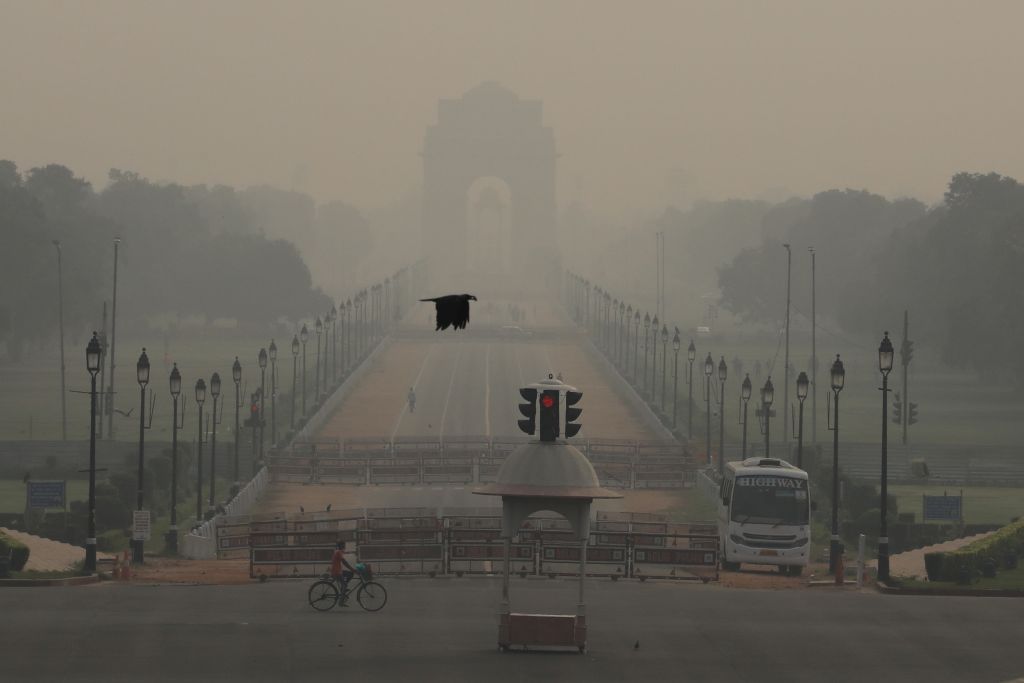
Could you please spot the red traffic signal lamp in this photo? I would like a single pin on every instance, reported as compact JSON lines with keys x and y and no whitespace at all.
{"x":529,"y":411}
{"x":572,"y":414}
{"x":549,"y":415}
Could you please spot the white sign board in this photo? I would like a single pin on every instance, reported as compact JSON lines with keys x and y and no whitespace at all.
{"x":141,"y":527}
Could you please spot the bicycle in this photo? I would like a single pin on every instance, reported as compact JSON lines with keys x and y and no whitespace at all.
{"x":371,"y":596}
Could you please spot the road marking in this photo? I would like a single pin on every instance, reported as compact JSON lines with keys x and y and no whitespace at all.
{"x":415,"y":383}
{"x":448,"y":396}
{"x":487,"y":391}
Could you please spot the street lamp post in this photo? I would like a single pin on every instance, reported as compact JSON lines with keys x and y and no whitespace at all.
{"x":142,"y":374}
{"x":802,"y":384}
{"x":60,"y":319}
{"x":709,"y":367}
{"x":215,"y":393}
{"x":304,"y":337}
{"x":273,"y":393}
{"x":327,"y":341}
{"x":347,"y":360}
{"x":676,"y":343}
{"x":838,"y":379}
{"x":319,"y":327}
{"x":627,"y":321}
{"x":664,"y":364}
{"x":885,"y":358}
{"x":334,"y":343}
{"x":654,"y":358}
{"x":262,"y":358}
{"x":623,"y":336}
{"x":745,"y":390}
{"x":691,"y":355}
{"x":722,"y":371}
{"x":767,"y":399}
{"x":236,"y":375}
{"x":647,"y":331}
{"x":172,"y":532}
{"x":200,"y":399}
{"x":92,"y":364}
{"x":295,"y":371}
{"x":636,"y":347}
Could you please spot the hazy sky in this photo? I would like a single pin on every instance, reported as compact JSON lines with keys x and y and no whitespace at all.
{"x":645,"y":98}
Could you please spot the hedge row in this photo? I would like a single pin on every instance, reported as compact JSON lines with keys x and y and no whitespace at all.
{"x":966,"y":563}
{"x":17,"y":551}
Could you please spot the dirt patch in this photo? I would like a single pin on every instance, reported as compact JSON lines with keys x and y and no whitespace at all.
{"x":214,"y":572}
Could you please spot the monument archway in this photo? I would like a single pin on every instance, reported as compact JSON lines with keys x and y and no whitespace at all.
{"x":490,"y":133}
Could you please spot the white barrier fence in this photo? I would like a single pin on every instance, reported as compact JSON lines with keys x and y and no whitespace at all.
{"x":201,"y":543}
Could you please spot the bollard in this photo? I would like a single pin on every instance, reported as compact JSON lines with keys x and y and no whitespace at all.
{"x":860,"y":561}
{"x":839,"y":566}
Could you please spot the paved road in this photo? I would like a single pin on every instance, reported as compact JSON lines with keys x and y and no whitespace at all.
{"x":444,"y":630}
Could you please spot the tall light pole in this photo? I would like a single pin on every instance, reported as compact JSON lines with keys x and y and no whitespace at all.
{"x":664,"y":364}
{"x":304,"y":337}
{"x":627,"y":322}
{"x":334,"y":343}
{"x":801,"y":393}
{"x":647,"y":331}
{"x":92,"y":364}
{"x":142,"y":374}
{"x":319,"y":327}
{"x":113,"y":339}
{"x":785,"y":381}
{"x":709,"y":367}
{"x":623,"y":336}
{"x":295,"y":371}
{"x":60,"y":314}
{"x":745,"y":390}
{"x":172,"y":532}
{"x":814,"y":359}
{"x":885,"y":357}
{"x":838,"y":379}
{"x":348,"y":335}
{"x":654,"y":359}
{"x":676,"y":344}
{"x":272,"y":353}
{"x":262,"y":358}
{"x":636,"y":347}
{"x":236,"y":375}
{"x":691,"y":355}
{"x":200,"y":400}
{"x":215,"y":394}
{"x":327,"y":341}
{"x":722,"y":372}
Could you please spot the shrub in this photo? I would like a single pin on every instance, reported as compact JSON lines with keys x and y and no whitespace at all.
{"x":17,"y":550}
{"x":969,"y":560}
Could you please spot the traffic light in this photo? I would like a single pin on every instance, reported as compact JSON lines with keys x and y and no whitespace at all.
{"x":529,"y":411}
{"x":897,"y":409}
{"x":912,"y":413}
{"x":572,"y":414}
{"x":549,"y":415}
{"x":906,"y":351}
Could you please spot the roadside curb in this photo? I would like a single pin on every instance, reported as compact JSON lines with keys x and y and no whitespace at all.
{"x":40,"y":583}
{"x":954,"y":592}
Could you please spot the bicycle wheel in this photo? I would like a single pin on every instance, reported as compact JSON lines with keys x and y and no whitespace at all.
{"x":372,"y":596}
{"x":323,"y":595}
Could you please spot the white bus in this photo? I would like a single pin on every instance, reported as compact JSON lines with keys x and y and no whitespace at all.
{"x":764,"y":515}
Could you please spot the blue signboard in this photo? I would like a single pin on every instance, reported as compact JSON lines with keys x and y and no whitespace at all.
{"x":46,"y":494}
{"x":945,"y":508}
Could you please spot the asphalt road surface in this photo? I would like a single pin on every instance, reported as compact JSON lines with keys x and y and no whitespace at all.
{"x":445,"y":630}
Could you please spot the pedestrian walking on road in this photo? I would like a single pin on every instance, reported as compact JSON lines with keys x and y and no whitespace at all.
{"x":412,"y":400}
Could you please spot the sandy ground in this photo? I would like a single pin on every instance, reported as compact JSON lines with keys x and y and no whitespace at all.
{"x":46,"y":555}
{"x":166,"y":570}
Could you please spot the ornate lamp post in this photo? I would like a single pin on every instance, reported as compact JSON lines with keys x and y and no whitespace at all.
{"x":838,"y":380}
{"x":236,"y":375}
{"x":767,"y":399}
{"x":319,"y":327}
{"x":215,"y":394}
{"x":172,"y":532}
{"x":709,"y":367}
{"x":614,"y":333}
{"x":722,"y":372}
{"x":691,"y":355}
{"x":802,"y":385}
{"x":272,"y":354}
{"x":92,"y":364}
{"x":295,"y":371}
{"x":348,"y":332}
{"x":304,"y":337}
{"x":664,"y":364}
{"x":647,"y":331}
{"x":200,"y":399}
{"x":676,"y":343}
{"x":334,"y":343}
{"x":885,"y":358}
{"x":745,"y":390}
{"x":262,"y":359}
{"x":636,"y":347}
{"x":627,"y":320}
{"x":623,"y":338}
{"x":142,"y":375}
{"x":654,"y":358}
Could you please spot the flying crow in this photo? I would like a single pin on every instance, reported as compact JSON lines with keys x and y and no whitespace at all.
{"x":452,"y":310}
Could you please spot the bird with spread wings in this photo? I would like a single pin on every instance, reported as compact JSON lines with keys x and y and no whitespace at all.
{"x":452,"y":310}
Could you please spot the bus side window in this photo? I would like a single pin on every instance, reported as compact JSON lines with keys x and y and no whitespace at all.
{"x":726,"y":491}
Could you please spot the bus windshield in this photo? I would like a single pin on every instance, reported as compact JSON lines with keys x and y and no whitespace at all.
{"x":764,"y":499}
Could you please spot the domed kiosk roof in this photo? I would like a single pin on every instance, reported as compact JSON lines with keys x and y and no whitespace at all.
{"x":547,"y":470}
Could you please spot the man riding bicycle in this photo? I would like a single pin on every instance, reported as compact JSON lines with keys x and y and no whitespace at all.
{"x":341,"y":577}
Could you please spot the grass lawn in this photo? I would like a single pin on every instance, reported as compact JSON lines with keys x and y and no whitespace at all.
{"x":982,"y":504}
{"x":12,"y":494}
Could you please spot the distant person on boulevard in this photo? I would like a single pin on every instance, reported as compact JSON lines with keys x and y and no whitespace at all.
{"x":341,"y":577}
{"x":412,"y":400}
